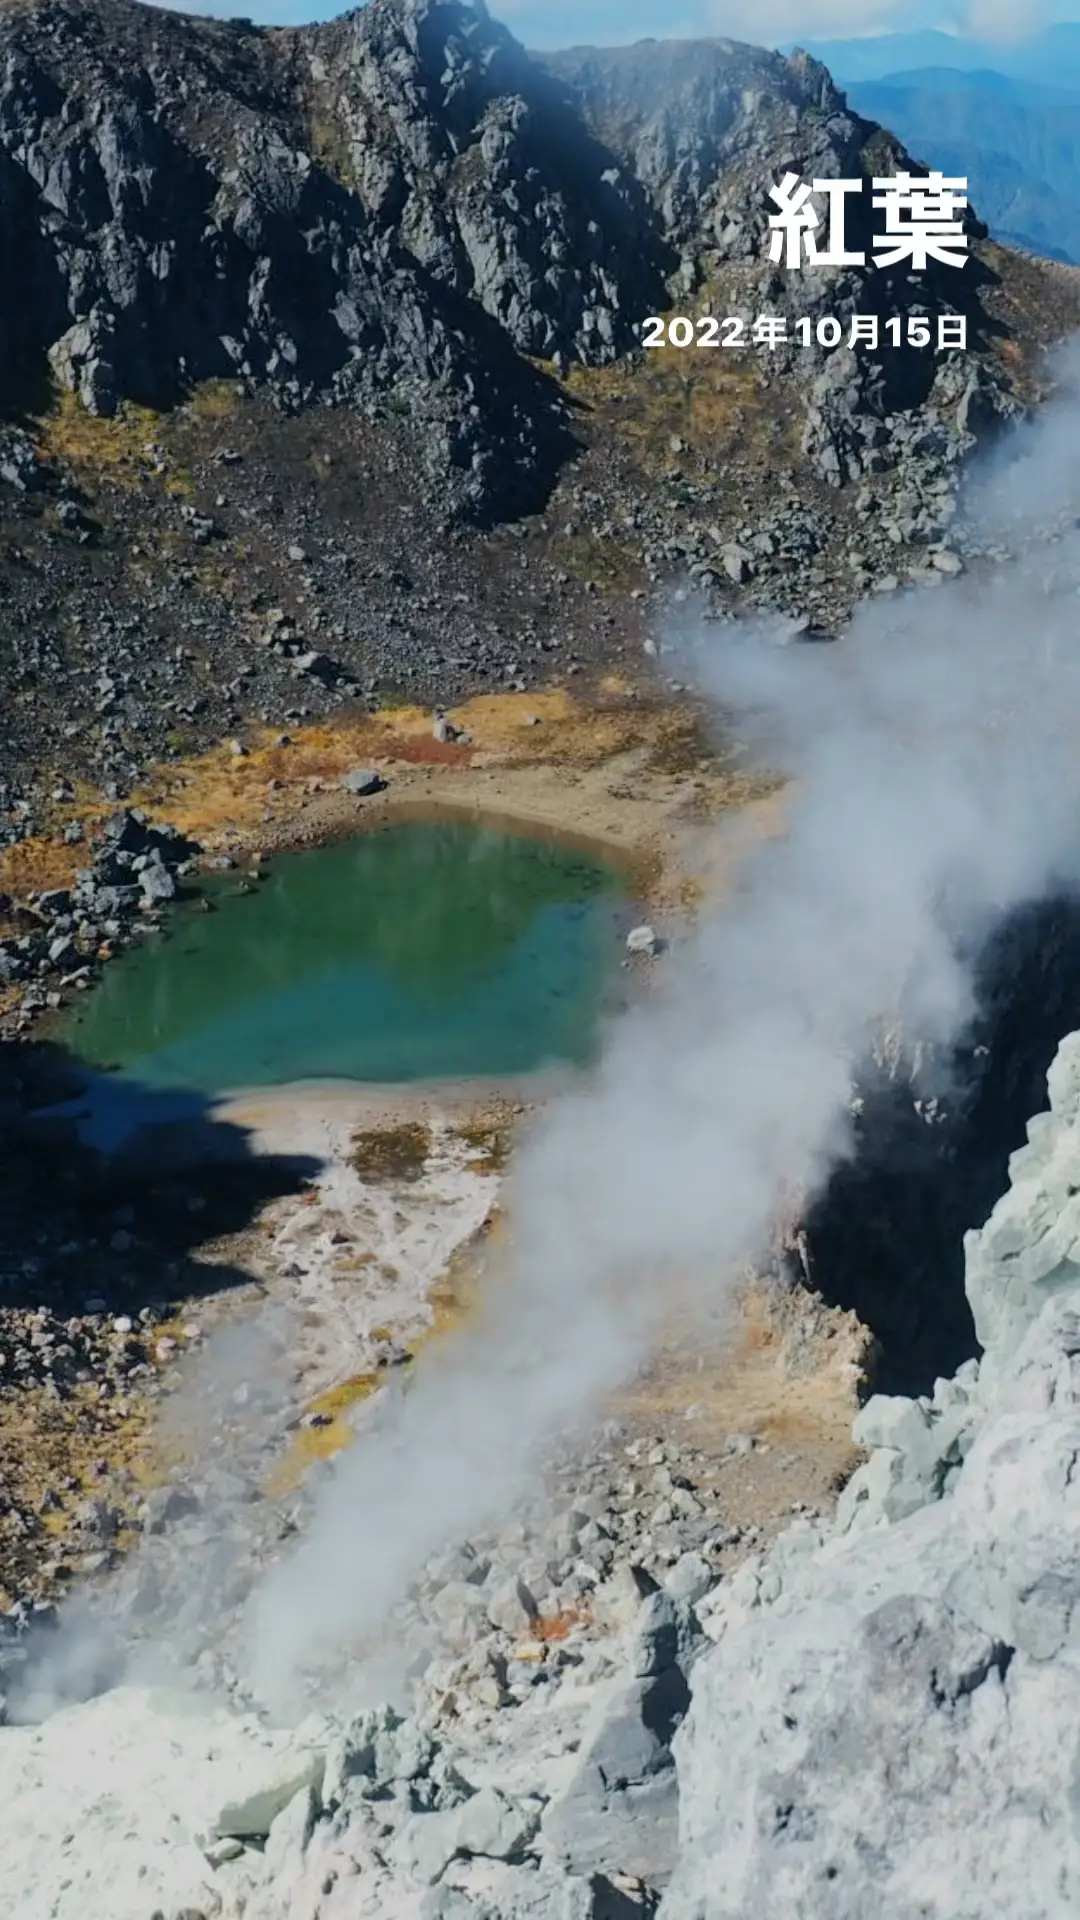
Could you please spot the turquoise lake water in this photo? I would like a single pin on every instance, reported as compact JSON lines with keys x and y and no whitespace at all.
{"x":421,"y":951}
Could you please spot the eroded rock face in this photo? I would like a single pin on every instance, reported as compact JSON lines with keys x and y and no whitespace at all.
{"x":899,"y":1728}
{"x":187,"y":201}
{"x":708,"y":127}
{"x":885,"y":1239}
{"x":888,"y":1721}
{"x":1029,"y":1249}
{"x":404,"y":203}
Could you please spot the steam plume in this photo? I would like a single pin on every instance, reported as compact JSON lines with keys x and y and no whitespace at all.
{"x":935,"y":783}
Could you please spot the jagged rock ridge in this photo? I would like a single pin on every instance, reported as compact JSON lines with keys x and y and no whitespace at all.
{"x":403,"y":201}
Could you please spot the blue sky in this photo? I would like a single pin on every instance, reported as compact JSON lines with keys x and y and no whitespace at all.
{"x":561,"y":23}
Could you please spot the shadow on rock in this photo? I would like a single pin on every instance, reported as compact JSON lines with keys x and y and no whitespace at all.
{"x":886,"y":1237}
{"x":109,"y":1189}
{"x":109,"y":1193}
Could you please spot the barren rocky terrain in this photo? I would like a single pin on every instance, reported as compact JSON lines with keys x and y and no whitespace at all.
{"x":336,"y":488}
{"x":326,"y":386}
{"x":526,"y":1767}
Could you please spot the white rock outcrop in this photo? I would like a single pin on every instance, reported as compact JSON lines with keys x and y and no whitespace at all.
{"x":1029,"y":1249}
{"x":131,"y":1804}
{"x":890,"y":1719}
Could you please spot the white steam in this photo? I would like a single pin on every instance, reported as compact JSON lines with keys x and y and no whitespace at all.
{"x":935,"y":762}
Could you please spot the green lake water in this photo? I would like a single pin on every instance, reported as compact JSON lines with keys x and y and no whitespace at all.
{"x":420,"y":951}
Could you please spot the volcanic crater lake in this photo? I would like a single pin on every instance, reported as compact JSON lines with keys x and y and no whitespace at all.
{"x":423,"y":950}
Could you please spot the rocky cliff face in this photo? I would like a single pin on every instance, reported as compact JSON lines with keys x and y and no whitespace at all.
{"x":183,"y":200}
{"x":888,"y":1719}
{"x":323,"y":322}
{"x":404,"y":202}
{"x":707,"y":127}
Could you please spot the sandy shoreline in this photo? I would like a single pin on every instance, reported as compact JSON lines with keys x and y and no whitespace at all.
{"x":270,"y":1111}
{"x":625,"y":774}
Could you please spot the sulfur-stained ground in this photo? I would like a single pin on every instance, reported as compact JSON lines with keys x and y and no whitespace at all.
{"x":392,"y":1239}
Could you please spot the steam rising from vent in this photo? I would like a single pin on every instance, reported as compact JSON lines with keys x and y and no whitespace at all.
{"x":935,"y":763}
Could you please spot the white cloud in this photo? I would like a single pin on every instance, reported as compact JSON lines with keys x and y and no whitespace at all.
{"x":783,"y":21}
{"x":562,"y":23}
{"x":1004,"y":20}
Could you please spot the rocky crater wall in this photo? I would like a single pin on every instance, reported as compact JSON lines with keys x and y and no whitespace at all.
{"x":404,"y":205}
{"x":889,"y":1718}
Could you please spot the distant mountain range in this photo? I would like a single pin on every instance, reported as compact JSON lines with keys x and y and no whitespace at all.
{"x":1007,"y":117}
{"x":1052,"y":56}
{"x":1017,"y":142}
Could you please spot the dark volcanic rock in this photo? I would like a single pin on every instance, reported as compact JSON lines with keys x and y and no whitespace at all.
{"x":707,"y":128}
{"x":358,"y":273}
{"x":396,"y":202}
{"x":400,"y":201}
{"x":135,"y":868}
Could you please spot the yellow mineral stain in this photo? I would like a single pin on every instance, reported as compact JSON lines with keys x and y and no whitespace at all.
{"x":321,"y":1442}
{"x":452,"y":1301}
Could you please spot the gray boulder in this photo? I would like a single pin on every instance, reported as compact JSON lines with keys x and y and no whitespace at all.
{"x":157,"y":884}
{"x":363,"y":780}
{"x":488,"y":1824}
{"x":376,"y":1750}
{"x":691,"y":1578}
{"x":619,"y":1812}
{"x":643,"y":939}
{"x":737,"y":564}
